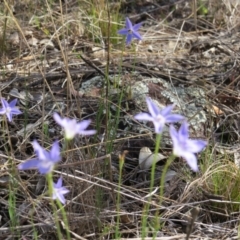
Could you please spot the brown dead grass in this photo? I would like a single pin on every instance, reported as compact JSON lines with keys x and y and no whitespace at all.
{"x":41,"y":58}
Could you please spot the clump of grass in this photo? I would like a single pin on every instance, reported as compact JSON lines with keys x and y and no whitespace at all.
{"x":202,"y":8}
{"x":103,"y":25}
{"x":14,"y":220}
{"x":223,"y":179}
{"x":3,"y":46}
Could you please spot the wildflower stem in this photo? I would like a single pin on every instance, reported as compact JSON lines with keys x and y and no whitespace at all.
{"x":166,"y":166}
{"x":146,"y":209}
{"x":50,"y":192}
{"x":157,"y":146}
{"x":65,"y":220}
{"x":162,"y":182}
{"x":121,"y":163}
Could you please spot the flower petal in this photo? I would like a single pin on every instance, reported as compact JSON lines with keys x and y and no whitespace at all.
{"x":178,"y":145}
{"x":129,"y":38}
{"x":2,"y":111}
{"x":191,"y":160}
{"x":128,"y":24}
{"x":64,"y":190}
{"x":30,"y":164}
{"x":173,"y":118}
{"x":173,"y":133}
{"x":123,"y":31}
{"x":167,"y":110}
{"x":152,"y":107}
{"x":158,"y":126}
{"x":136,"y":27}
{"x":4,"y":103}
{"x":60,"y":197}
{"x":71,"y":127}
{"x":13,"y":103}
{"x":59,"y":183}
{"x":144,"y":117}
{"x":84,"y":124}
{"x":137,"y":35}
{"x":15,"y":111}
{"x":58,"y":119}
{"x":195,"y":146}
{"x":9,"y":116}
{"x":183,"y":132}
{"x":59,"y":191}
{"x":42,"y":154}
{"x":45,"y":167}
{"x":55,"y":152}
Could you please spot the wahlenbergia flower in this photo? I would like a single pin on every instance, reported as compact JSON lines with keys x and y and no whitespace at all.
{"x":9,"y":108}
{"x":159,"y":117}
{"x":59,"y":191}
{"x":44,"y":161}
{"x":131,"y":31}
{"x":72,"y":128}
{"x":185,"y":147}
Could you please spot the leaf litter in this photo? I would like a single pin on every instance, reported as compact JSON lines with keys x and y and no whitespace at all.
{"x":194,"y":67}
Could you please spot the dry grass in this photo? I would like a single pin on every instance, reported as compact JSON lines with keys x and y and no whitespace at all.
{"x":51,"y":50}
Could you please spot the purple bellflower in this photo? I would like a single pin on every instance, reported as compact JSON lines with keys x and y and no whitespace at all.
{"x":185,"y":147}
{"x":59,"y":191}
{"x":9,"y":109}
{"x":72,"y":128}
{"x":45,"y":160}
{"x":130,"y":31}
{"x":159,"y":117}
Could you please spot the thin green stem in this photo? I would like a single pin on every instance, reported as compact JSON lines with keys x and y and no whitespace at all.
{"x":162,"y":183}
{"x":50,"y":192}
{"x":146,"y":208}
{"x":166,"y":166}
{"x":157,"y":146}
{"x":66,"y":147}
{"x":121,"y":163}
{"x":65,"y":220}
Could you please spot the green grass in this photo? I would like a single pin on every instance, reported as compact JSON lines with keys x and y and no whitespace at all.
{"x":223,"y":181}
{"x":103,"y":22}
{"x":12,"y":198}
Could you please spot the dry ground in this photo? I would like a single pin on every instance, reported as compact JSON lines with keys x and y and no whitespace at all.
{"x":57,"y":58}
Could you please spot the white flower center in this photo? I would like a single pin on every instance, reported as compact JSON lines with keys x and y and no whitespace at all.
{"x":47,"y":164}
{"x":160,"y":118}
{"x":8,"y":110}
{"x":71,"y":129}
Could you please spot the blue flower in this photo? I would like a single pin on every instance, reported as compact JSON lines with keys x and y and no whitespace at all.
{"x":130,"y":31}
{"x":9,"y":109}
{"x":159,"y":117}
{"x":45,"y":160}
{"x":72,"y":128}
{"x":185,"y":147}
{"x":59,"y":191}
